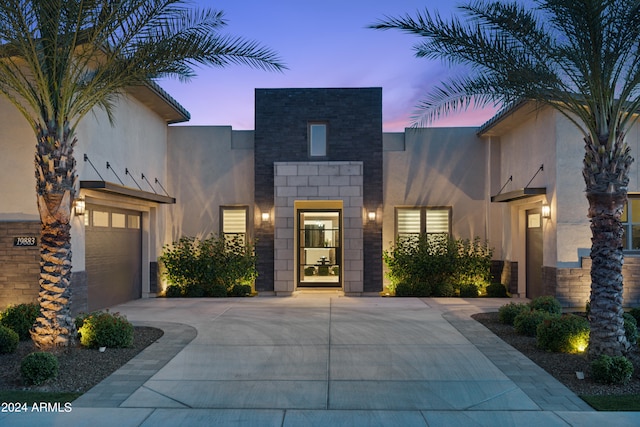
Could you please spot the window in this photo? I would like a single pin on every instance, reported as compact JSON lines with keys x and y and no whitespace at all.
{"x":414,"y":222}
{"x":631,"y":224}
{"x":317,"y":140}
{"x":234,"y":223}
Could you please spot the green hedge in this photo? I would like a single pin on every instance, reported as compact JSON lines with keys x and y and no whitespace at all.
{"x":39,"y":367}
{"x":20,"y":318}
{"x":207,"y":267}
{"x":611,"y":370}
{"x":104,"y":329}
{"x":565,"y":334}
{"x":438,"y":265}
{"x":527,"y":322}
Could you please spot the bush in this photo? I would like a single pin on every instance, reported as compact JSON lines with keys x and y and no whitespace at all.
{"x":239,"y":290}
{"x":630,"y":328}
{"x":437,"y":265}
{"x":103,"y":329}
{"x":635,"y":312}
{"x":8,"y":340}
{"x":173,"y":291}
{"x":565,"y":334}
{"x":508,"y":312}
{"x":611,"y":370}
{"x":526,"y":323}
{"x":546,"y":303}
{"x":469,"y":291}
{"x":199,"y":267}
{"x":39,"y":367}
{"x":420,"y":289}
{"x":20,"y":318}
{"x":496,"y":290}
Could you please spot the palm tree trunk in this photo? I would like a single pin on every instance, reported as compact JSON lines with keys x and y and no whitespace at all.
{"x":55,"y":188}
{"x":606,"y":173}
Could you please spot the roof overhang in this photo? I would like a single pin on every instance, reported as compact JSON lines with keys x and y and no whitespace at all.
{"x":523,"y":193}
{"x":508,"y":118}
{"x":121,"y":190}
{"x":159,"y":101}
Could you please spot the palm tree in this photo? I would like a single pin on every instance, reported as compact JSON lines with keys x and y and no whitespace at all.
{"x":579,"y":57}
{"x":59,"y":59}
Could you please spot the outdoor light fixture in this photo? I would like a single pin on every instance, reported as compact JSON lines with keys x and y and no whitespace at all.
{"x":546,"y":211}
{"x":265,"y":216}
{"x":79,"y":206}
{"x":371,"y":215}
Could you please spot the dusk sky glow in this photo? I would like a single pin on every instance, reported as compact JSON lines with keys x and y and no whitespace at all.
{"x":324,"y":44}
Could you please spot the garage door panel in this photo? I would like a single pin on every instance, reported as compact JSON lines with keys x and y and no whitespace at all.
{"x":113,"y":259}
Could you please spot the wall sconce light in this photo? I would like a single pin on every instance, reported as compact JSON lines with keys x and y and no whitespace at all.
{"x":546,"y":211}
{"x":265,"y":216}
{"x":371,"y":215}
{"x":79,"y":206}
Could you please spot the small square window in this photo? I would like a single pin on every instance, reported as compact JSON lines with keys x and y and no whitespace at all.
{"x":317,"y":140}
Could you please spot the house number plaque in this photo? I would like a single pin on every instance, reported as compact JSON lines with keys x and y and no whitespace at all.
{"x":25,"y":241}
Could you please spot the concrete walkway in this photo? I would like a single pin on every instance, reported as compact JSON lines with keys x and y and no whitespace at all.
{"x":324,"y":360}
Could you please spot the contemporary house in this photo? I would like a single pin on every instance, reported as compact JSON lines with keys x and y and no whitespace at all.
{"x":319,"y":188}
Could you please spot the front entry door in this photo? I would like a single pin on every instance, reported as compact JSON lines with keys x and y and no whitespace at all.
{"x":534,"y":253}
{"x":319,"y":248}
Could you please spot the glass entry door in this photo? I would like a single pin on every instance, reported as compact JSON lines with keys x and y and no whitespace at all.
{"x":319,"y":248}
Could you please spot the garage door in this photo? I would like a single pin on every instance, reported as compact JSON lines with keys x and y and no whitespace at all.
{"x":113,"y":253}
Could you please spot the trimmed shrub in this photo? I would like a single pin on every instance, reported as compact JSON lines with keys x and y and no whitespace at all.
{"x":611,"y":370}
{"x":173,"y":291}
{"x":39,"y":367}
{"x":630,"y":328}
{"x":497,"y":290}
{"x":564,"y":334}
{"x":199,"y":267}
{"x":469,"y":290}
{"x":526,"y":323}
{"x":419,"y":289}
{"x":239,"y":290}
{"x":546,"y":303}
{"x":103,"y":329}
{"x":437,"y":265}
{"x":8,"y":340}
{"x":508,"y":312}
{"x":20,"y":318}
{"x":635,"y":312}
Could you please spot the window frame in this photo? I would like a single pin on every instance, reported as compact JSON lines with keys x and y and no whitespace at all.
{"x":423,"y":219}
{"x":627,"y":243}
{"x":246,"y":233}
{"x":310,"y":125}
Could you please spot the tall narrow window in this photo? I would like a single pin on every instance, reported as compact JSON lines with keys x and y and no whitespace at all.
{"x":234,"y":224}
{"x":317,"y":140}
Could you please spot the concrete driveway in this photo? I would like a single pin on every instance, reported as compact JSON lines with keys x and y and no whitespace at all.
{"x":325,"y":360}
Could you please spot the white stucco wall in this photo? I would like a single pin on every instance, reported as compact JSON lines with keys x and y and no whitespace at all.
{"x":437,"y":167}
{"x":209,"y":166}
{"x":136,"y":140}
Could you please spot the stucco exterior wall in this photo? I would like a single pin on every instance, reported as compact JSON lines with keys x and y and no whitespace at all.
{"x":209,"y":166}
{"x":136,"y":141}
{"x":436,"y":167}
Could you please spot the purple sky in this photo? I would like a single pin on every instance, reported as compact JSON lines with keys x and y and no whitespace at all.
{"x":324,"y":44}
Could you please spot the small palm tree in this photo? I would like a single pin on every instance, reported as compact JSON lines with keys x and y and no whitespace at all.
{"x":59,"y":59}
{"x":580,"y":57}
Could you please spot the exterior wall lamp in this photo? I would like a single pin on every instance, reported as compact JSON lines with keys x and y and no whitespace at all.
{"x":371,"y":215}
{"x":79,"y":206}
{"x":265,"y":216}
{"x":546,"y":211}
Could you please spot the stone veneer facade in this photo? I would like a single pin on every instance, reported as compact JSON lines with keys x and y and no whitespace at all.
{"x":572,"y":286}
{"x":295,"y":181}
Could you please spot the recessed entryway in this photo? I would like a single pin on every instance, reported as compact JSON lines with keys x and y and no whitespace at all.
{"x":319,"y":248}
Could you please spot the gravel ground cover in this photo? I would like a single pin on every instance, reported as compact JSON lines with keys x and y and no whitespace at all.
{"x":562,"y":366}
{"x":80,"y":368}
